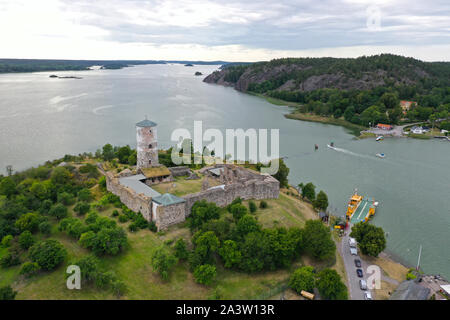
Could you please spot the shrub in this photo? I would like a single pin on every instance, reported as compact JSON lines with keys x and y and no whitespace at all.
{"x":7,"y":293}
{"x":66,"y":198}
{"x":82,"y":208}
{"x":163,"y":261}
{"x":205,"y":274}
{"x":302,"y":279}
{"x":48,"y":254}
{"x":10,"y":259}
{"x":238,"y":200}
{"x":26,"y":240}
{"x":152,"y":226}
{"x":29,"y":269}
{"x":180,"y":249}
{"x":263,"y":204}
{"x":28,"y":221}
{"x":6,"y":241}
{"x":115,"y":213}
{"x":410,"y":276}
{"x":123,"y":218}
{"x":252,"y":206}
{"x":102,"y":182}
{"x":84,"y":195}
{"x":45,"y":227}
{"x":238,"y":210}
{"x":59,"y":211}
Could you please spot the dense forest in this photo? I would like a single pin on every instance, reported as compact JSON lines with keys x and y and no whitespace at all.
{"x":36,"y":65}
{"x":361,"y":90}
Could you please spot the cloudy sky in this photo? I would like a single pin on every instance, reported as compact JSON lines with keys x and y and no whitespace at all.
{"x":223,"y":30}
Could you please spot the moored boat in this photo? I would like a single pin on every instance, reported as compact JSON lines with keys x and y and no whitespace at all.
{"x":360,"y":208}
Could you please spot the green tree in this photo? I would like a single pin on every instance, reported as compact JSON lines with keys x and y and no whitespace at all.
{"x":308,"y":191}
{"x":123,"y":154}
{"x":203,"y":211}
{"x":390,"y":100}
{"x":371,"y":239}
{"x":60,"y":176}
{"x":246,"y":225}
{"x":48,"y":254}
{"x":29,"y":269}
{"x":321,"y":201}
{"x":7,"y":293}
{"x":45,"y":227}
{"x":82,"y":208}
{"x":7,"y":187}
{"x":303,"y":279}
{"x":205,"y":274}
{"x":330,"y":285}
{"x":238,"y":211}
{"x":180,"y":249}
{"x":252,"y":206}
{"x":39,"y":190}
{"x":26,"y":240}
{"x":163,"y":261}
{"x":59,"y":211}
{"x":84,"y":195}
{"x":108,"y":152}
{"x":282,"y":174}
{"x":6,"y":241}
{"x":230,"y":254}
{"x":28,"y":221}
{"x":317,"y":240}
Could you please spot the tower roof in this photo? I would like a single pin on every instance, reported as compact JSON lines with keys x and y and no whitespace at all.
{"x":146,"y":123}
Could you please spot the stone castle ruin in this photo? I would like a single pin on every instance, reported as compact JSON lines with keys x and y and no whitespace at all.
{"x":228,"y":182}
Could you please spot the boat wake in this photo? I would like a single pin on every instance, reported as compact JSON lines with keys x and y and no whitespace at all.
{"x":352,"y":153}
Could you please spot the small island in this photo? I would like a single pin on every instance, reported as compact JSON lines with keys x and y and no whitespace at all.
{"x":198,"y":73}
{"x":66,"y":77}
{"x":188,"y":65}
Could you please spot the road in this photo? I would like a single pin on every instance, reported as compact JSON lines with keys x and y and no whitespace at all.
{"x":397,"y":131}
{"x":349,"y":262}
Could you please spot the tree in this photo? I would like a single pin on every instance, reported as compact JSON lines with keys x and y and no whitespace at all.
{"x":282,"y":174}
{"x":39,"y":190}
{"x":203,"y":211}
{"x":29,"y":269}
{"x":371,"y":239}
{"x":7,"y":187}
{"x":321,"y":201}
{"x":330,"y":285}
{"x":317,"y":240}
{"x":123,"y":154}
{"x":84,"y":195}
{"x":48,"y":254}
{"x":60,"y":176}
{"x":308,"y":191}
{"x":230,"y":254}
{"x":238,"y":210}
{"x":108,"y":241}
{"x":163,"y":261}
{"x":28,"y":221}
{"x":6,"y":241}
{"x":7,"y":293}
{"x":205,"y":243}
{"x":45,"y":227}
{"x":303,"y":279}
{"x":349,"y":113}
{"x":66,"y":198}
{"x":205,"y":274}
{"x":246,"y":225}
{"x":81,"y":208}
{"x":26,"y":240}
{"x":180,"y":249}
{"x":59,"y":211}
{"x":390,"y":100}
{"x":108,"y":152}
{"x":252,"y":206}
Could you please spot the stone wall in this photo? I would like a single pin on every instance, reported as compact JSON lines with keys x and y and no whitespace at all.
{"x":180,"y":171}
{"x":170,"y":215}
{"x":136,"y":202}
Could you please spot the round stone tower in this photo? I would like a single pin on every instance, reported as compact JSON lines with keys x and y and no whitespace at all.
{"x":147,"y":147}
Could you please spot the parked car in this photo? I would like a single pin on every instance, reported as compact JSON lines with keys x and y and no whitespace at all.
{"x":352,"y":242}
{"x":357,"y":263}
{"x":353,"y":251}
{"x":363,"y":284}
{"x":359,"y":272}
{"x":367,"y":295}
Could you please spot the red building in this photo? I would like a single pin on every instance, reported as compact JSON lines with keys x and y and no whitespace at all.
{"x":384,"y":126}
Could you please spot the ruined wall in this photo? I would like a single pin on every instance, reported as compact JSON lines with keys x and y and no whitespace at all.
{"x":136,"y":202}
{"x":180,"y":171}
{"x":170,"y":215}
{"x":263,"y":187}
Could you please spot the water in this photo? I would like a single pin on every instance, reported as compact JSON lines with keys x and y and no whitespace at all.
{"x":43,"y":119}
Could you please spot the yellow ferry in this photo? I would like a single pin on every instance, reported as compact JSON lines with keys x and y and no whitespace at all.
{"x":360,"y":208}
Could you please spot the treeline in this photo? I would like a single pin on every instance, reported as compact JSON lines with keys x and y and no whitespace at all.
{"x":427,"y":84}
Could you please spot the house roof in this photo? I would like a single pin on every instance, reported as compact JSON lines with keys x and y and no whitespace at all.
{"x":146,"y":123}
{"x":410,"y":290}
{"x":384,"y":125}
{"x":167,"y":199}
{"x":135,"y":183}
{"x":155,"y":172}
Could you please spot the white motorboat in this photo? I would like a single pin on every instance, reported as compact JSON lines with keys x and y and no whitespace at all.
{"x":380,"y":155}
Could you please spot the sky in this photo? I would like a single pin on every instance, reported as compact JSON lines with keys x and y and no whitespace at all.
{"x":223,"y":30}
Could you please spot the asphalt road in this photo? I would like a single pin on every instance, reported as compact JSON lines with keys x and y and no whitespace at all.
{"x":349,"y":262}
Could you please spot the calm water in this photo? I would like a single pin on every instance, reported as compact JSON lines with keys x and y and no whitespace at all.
{"x":43,"y":118}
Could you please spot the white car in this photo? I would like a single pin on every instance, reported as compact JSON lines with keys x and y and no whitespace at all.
{"x":363,"y":284}
{"x":353,"y":251}
{"x":367,"y":295}
{"x":352,"y":242}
